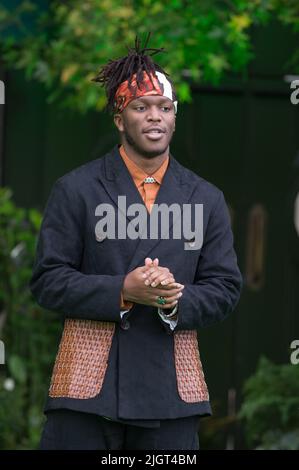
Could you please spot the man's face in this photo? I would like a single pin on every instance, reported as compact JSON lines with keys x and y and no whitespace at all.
{"x":147,"y":125}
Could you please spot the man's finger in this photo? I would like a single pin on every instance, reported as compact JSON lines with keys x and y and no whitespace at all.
{"x":148,"y":262}
{"x":173,"y":285}
{"x":170,"y":300}
{"x":157,"y":272}
{"x":152,"y":271}
{"x":167,"y":281}
{"x":161,"y":279}
{"x":164,"y":292}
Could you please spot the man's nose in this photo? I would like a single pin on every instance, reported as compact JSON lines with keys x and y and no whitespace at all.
{"x":154,"y":114}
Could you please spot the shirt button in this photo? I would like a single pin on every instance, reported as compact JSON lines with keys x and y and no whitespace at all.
{"x":125,"y":325}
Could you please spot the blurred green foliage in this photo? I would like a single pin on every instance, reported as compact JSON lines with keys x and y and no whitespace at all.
{"x":270,"y":409}
{"x":30,"y":334}
{"x":65,"y":46}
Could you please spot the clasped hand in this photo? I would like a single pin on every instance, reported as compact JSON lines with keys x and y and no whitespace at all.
{"x":144,"y":285}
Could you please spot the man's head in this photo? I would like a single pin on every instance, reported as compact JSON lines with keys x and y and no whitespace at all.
{"x":142,"y":99}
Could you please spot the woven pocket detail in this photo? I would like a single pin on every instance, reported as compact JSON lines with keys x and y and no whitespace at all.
{"x":190,"y":377}
{"x":82,"y":359}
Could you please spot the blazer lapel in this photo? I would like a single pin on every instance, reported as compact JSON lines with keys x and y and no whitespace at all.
{"x":118,"y":181}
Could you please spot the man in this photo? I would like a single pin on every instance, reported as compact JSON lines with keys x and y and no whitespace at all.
{"x":128,"y":373}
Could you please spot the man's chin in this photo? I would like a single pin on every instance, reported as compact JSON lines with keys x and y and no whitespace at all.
{"x":152,"y":151}
{"x":147,"y":150}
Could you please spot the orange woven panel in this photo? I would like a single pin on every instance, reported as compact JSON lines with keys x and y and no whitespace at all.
{"x":190,"y":377}
{"x":82,"y":359}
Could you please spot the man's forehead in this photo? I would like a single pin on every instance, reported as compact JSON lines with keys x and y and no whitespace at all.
{"x":151,"y":99}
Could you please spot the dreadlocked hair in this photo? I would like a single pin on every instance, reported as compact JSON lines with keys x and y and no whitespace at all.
{"x":117,"y":71}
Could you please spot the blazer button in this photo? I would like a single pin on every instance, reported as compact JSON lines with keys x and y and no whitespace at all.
{"x":125,"y":325}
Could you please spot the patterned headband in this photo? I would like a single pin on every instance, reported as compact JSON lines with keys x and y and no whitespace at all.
{"x":161,"y":86}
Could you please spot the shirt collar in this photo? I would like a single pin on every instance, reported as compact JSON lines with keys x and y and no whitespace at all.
{"x":138,"y":174}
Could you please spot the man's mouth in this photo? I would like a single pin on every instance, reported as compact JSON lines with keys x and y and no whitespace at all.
{"x":154,"y":133}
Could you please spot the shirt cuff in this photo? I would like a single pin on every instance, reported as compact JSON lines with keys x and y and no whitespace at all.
{"x":122,"y":312}
{"x":171,"y":318}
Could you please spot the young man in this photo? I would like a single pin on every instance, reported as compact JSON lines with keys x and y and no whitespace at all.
{"x":128,"y":373}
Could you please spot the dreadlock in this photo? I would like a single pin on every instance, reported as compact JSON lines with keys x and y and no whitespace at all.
{"x":117,"y":71}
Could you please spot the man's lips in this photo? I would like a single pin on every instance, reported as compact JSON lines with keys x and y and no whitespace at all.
{"x":154,"y":133}
{"x":154,"y":130}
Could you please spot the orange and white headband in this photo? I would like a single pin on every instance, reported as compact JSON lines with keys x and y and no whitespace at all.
{"x":159,"y":86}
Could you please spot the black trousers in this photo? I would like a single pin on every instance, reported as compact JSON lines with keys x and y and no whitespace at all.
{"x":74,"y":430}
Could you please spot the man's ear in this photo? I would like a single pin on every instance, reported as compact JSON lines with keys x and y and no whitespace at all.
{"x":118,"y":121}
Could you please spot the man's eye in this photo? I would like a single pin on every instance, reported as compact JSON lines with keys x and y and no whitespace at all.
{"x":142,"y":108}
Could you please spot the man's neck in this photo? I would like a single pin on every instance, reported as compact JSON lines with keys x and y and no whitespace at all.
{"x":148,"y":165}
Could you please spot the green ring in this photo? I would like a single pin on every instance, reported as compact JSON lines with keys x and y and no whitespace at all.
{"x":161,"y":300}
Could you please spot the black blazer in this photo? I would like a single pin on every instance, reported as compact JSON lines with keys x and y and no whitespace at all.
{"x":81,"y":275}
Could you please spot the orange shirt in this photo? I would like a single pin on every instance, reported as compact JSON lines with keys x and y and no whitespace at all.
{"x":148,"y":191}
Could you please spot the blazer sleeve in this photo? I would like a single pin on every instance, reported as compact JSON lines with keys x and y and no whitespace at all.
{"x":218,"y":281}
{"x":56,"y":282}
